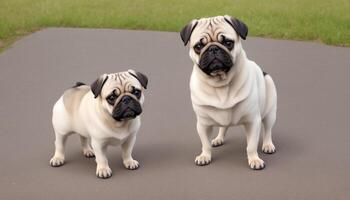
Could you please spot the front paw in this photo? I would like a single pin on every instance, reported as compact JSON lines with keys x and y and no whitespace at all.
{"x":56,"y":161}
{"x":103,"y":172}
{"x":203,"y":159}
{"x":217,"y":142}
{"x":131,"y":164}
{"x":256,"y":164}
{"x":268,"y":148}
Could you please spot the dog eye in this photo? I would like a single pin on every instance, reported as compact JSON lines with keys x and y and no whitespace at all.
{"x":228,"y":44}
{"x":198,"y":47}
{"x":111,"y":99}
{"x":136,"y":92}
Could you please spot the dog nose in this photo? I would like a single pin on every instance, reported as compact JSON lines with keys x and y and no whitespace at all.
{"x":213,"y":48}
{"x":126,"y":99}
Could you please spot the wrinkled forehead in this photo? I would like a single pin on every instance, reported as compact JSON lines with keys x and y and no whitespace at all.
{"x":121,"y":81}
{"x":212,"y":29}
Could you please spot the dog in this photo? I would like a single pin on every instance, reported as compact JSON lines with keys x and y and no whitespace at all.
{"x":228,"y":89}
{"x":105,"y":113}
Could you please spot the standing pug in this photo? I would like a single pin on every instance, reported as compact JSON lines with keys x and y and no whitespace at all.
{"x":227,"y":88}
{"x":105,"y":113}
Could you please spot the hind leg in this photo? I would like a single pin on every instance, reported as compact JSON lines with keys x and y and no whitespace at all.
{"x":87,"y":149}
{"x":219,"y":140}
{"x":60,"y":141}
{"x":268,"y":122}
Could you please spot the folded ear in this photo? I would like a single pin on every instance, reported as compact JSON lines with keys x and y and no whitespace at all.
{"x":238,"y":25}
{"x":140,"y":77}
{"x":96,"y":86}
{"x":186,"y":31}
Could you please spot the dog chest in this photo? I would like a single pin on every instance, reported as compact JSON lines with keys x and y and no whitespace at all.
{"x":232,"y":116}
{"x":115,"y":136}
{"x":115,"y":140}
{"x":216,"y":117}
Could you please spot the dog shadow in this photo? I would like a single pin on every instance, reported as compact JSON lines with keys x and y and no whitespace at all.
{"x":164,"y":154}
{"x":234,"y":149}
{"x":150,"y":156}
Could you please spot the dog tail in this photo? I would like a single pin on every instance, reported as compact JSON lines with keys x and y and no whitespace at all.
{"x":77,"y":84}
{"x":271,"y":94}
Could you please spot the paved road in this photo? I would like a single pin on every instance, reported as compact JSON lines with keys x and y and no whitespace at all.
{"x":311,"y":135}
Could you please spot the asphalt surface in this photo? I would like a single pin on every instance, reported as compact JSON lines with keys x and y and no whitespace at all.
{"x":311,"y":134}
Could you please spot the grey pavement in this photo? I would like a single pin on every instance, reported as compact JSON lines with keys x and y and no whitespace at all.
{"x":311,"y":134}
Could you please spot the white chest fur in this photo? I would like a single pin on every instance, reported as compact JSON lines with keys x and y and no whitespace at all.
{"x":230,"y":104}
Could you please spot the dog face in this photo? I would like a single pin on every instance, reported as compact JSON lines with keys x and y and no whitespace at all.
{"x":121,"y":95}
{"x":215,"y":43}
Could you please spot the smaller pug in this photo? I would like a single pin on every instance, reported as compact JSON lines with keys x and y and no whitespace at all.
{"x":105,"y":113}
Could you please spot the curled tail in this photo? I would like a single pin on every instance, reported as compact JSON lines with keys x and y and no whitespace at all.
{"x":77,"y":84}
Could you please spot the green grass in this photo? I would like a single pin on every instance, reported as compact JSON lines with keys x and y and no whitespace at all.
{"x":326,"y":21}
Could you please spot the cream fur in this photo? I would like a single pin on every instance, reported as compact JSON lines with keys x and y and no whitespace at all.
{"x":243,"y":96}
{"x":77,"y":111}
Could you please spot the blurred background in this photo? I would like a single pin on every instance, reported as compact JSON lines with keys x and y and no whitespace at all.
{"x":325,"y":21}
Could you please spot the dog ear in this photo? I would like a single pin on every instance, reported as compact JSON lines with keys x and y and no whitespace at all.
{"x":238,"y":25}
{"x":96,"y":86}
{"x":140,"y":77}
{"x":186,"y":31}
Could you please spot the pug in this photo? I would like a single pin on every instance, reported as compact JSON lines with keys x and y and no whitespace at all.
{"x":105,"y":113}
{"x":228,"y":89}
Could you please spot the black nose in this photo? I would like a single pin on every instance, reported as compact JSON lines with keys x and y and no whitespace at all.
{"x":213,"y":49}
{"x":126,"y":99}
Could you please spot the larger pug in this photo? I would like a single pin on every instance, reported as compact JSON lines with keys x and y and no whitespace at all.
{"x":105,"y":113}
{"x":227,"y":88}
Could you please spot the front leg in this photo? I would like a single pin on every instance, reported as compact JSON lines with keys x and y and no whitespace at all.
{"x":253,"y":132}
{"x":205,"y":157}
{"x":100,"y":149}
{"x":127,"y":148}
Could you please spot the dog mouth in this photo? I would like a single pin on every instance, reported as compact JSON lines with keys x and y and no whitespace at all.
{"x":218,"y":72}
{"x":219,"y":69}
{"x":127,"y":111}
{"x":215,"y":64}
{"x":127,"y":114}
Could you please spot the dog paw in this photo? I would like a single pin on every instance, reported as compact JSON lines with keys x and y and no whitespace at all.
{"x":131,"y":164}
{"x":256,"y":164}
{"x":268,"y":148}
{"x":103,"y":172}
{"x":89,"y":153}
{"x":202,"y":160}
{"x":217,"y":142}
{"x":56,"y":161}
